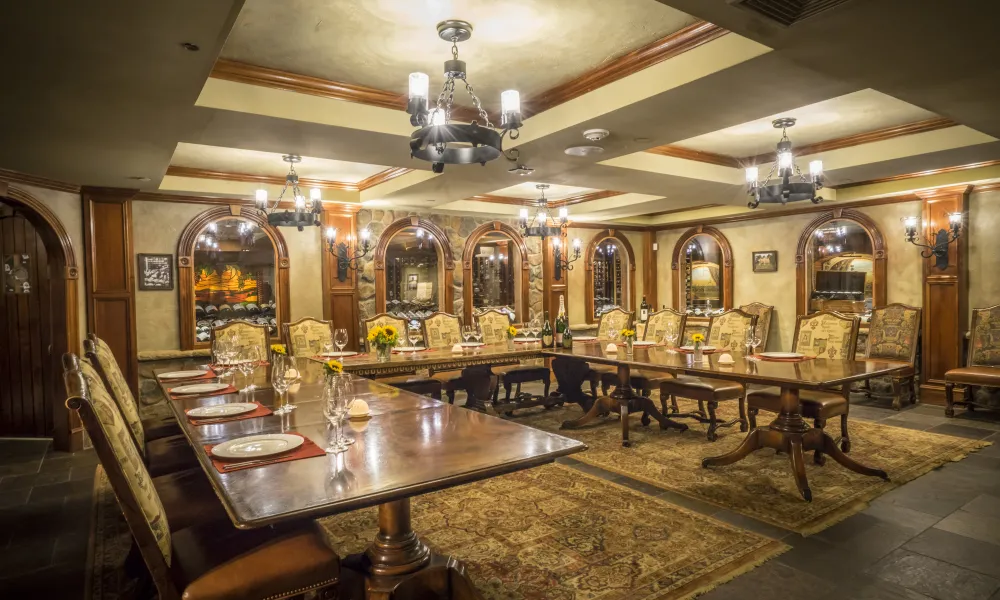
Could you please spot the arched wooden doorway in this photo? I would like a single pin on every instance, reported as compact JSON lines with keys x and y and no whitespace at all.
{"x":720,"y":270}
{"x":38,"y":323}
{"x":628,"y":272}
{"x":524,"y":269}
{"x":445,"y":265}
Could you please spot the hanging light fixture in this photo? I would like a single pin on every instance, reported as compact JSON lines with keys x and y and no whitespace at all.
{"x":537,"y":225}
{"x":342,"y":251}
{"x":306,"y":211}
{"x":783,"y":190}
{"x":440,"y":141}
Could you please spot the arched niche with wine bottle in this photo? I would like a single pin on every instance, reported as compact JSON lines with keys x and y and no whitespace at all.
{"x":231,"y":265}
{"x":414,"y":269}
{"x":610,"y":270}
{"x":702,"y":267}
{"x":495,"y":271}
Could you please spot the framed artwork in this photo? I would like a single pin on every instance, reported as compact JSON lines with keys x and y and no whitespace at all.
{"x":156,"y":272}
{"x":411,"y":281}
{"x":765,"y":261}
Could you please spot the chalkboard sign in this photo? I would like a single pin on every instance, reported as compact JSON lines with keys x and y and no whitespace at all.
{"x":156,"y":272}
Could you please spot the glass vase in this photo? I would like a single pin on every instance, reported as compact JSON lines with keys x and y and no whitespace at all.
{"x":383,"y":353}
{"x":698,"y":353}
{"x":629,"y":347}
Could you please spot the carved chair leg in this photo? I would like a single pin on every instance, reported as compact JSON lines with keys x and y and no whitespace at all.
{"x":673,"y":404}
{"x":752,"y":417}
{"x":949,"y":397}
{"x":845,"y":437}
{"x":744,"y":424}
{"x":897,"y":393}
{"x":713,"y":423}
{"x":818,"y":457}
{"x":545,"y":383}
{"x":593,"y":387}
{"x":451,"y":396}
{"x":701,"y":409}
{"x":518,"y":391}
{"x":913,"y":389}
{"x":506,"y":391}
{"x":868,"y":388}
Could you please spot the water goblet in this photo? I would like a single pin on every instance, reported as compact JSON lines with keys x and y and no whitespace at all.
{"x":340,"y":339}
{"x":467,"y":333}
{"x":327,"y":349}
{"x":756,"y":341}
{"x":748,"y":339}
{"x":245,"y":365}
{"x":477,"y":334}
{"x":413,"y":334}
{"x":280,"y":385}
{"x":292,"y":375}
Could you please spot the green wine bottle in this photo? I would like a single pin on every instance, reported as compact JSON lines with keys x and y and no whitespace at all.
{"x":567,"y":339}
{"x":562,"y":323}
{"x":548,"y":339}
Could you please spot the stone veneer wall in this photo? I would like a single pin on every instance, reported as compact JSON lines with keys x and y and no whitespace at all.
{"x":458,"y":229}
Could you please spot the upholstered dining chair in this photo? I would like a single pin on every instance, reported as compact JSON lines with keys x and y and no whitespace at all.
{"x":246,"y":335}
{"x":764,"y":313}
{"x":494,"y":325}
{"x":657,"y":326}
{"x":163,"y":454}
{"x":727,"y":332}
{"x":209,"y":560}
{"x":983,"y":362}
{"x":307,"y":336}
{"x":383,"y":319}
{"x":442,"y":331}
{"x":411,"y":382}
{"x":893,"y":334}
{"x":825,"y":334}
{"x":608,"y":326}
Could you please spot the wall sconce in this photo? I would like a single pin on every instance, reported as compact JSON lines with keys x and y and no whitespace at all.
{"x":341,"y":250}
{"x":942,"y":238}
{"x":558,"y":260}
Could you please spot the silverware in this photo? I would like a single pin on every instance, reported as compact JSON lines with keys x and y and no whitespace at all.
{"x":252,"y":463}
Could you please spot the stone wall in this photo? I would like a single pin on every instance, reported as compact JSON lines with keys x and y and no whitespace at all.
{"x":457,"y":229}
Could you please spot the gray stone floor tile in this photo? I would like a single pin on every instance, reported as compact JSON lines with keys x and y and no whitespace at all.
{"x":934,"y":578}
{"x":978,"y":527}
{"x":970,"y":553}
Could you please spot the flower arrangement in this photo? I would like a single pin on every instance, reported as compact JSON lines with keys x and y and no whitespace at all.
{"x":627,"y":334}
{"x":511,"y":332}
{"x":279,"y":349}
{"x":698,"y":339}
{"x":383,"y":337}
{"x":333,"y":367}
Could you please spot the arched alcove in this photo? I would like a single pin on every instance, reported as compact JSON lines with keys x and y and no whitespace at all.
{"x":604,"y":287}
{"x":512,"y":270}
{"x":386,"y":265}
{"x":702,"y":270}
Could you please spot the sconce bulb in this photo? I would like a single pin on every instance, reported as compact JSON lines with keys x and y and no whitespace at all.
{"x":556,"y":242}
{"x":331,"y":233}
{"x":955,"y":217}
{"x":910,"y":222}
{"x":576,"y":243}
{"x":364,"y":234}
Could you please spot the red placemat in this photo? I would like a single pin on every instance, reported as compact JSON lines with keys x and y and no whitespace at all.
{"x":773,"y":359}
{"x":261,"y":411}
{"x":229,"y":390}
{"x":308,"y":449}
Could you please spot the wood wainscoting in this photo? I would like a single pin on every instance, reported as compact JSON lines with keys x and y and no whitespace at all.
{"x":340,"y":298}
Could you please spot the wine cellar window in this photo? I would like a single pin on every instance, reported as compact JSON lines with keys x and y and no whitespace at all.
{"x":840,"y":258}
{"x":234,"y":276}
{"x":610,"y":270}
{"x":702,"y":273}
{"x":496,"y":269}
{"x":413,"y":273}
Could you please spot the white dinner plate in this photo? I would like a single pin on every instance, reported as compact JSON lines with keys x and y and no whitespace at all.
{"x":782,"y":354}
{"x":257,"y":446}
{"x":643,"y":343}
{"x":222,"y":410}
{"x":524,"y":340}
{"x":584,"y":338}
{"x":199,"y":388}
{"x":338,"y":354}
{"x":704,"y":348}
{"x":182,"y":374}
{"x":472,"y":344}
{"x":408,"y":349}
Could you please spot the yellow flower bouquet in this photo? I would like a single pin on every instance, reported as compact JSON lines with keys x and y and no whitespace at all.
{"x":627,"y":334}
{"x":333,"y":367}
{"x":383,"y":338}
{"x":279,"y":349}
{"x":511,"y":332}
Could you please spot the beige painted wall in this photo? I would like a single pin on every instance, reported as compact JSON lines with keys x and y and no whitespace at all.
{"x":778,"y":288}
{"x":984,"y":251}
{"x":577,"y":282}
{"x":156,"y":229}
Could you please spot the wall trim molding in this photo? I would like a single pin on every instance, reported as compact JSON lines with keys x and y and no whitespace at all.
{"x":954,"y":169}
{"x":568,"y":201}
{"x":42,"y":182}
{"x":327,"y":184}
{"x":696,"y":155}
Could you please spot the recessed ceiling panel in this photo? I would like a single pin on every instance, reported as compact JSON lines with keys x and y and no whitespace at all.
{"x":252,"y":162}
{"x":528,"y":191}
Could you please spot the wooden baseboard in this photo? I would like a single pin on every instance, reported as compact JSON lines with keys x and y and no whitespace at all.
{"x":932,"y":393}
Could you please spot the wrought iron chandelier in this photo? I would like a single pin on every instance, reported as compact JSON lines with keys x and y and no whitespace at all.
{"x":538,"y":224}
{"x":306,"y":211}
{"x":440,"y":141}
{"x":783,"y":190}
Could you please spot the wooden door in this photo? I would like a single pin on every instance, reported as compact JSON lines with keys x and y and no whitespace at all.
{"x":29,"y":371}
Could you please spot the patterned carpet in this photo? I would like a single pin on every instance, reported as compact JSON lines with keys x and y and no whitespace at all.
{"x":762,"y":485}
{"x":549,"y":533}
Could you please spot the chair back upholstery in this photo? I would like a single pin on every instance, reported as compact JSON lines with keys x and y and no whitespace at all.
{"x":826,"y":334}
{"x":764,"y":313}
{"x":442,"y":330}
{"x":307,"y":336}
{"x":102,"y":360}
{"x":658,"y":323}
{"x":893,"y":332}
{"x":728,"y":331}
{"x":494,"y":325}
{"x":984,"y":351}
{"x":124,"y":467}
{"x":383,"y":319}
{"x":691,"y":328}
{"x":613,"y":321}
{"x":246,"y":335}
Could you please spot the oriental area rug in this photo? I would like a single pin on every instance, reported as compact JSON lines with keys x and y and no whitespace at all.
{"x":760,"y":486}
{"x":551,"y":532}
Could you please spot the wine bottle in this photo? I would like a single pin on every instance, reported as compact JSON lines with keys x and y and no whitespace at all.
{"x":644,"y":310}
{"x":562,"y":323}
{"x":567,"y":339}
{"x":547,"y":337}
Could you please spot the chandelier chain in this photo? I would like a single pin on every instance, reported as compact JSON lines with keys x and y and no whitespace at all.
{"x":479,"y":105}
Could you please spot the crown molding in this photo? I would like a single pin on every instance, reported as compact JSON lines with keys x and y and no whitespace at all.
{"x":42,"y":182}
{"x":323,"y":184}
{"x":987,"y":187}
{"x":680,"y":210}
{"x":696,"y":155}
{"x":227,"y":200}
{"x":904,"y":176}
{"x":382,"y":177}
{"x":568,"y":201}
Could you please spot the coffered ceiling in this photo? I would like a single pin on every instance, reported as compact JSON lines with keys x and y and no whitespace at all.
{"x":271,"y":164}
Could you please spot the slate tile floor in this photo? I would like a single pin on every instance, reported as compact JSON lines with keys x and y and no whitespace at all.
{"x":937,"y":537}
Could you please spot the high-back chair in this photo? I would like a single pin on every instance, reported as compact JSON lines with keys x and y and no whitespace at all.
{"x":983,"y":362}
{"x":494,"y":325}
{"x":441,"y":332}
{"x":893,"y":334}
{"x":199,"y":561}
{"x":727,"y":332}
{"x":659,"y":322}
{"x":825,"y":334}
{"x":764,"y":313}
{"x":383,"y":319}
{"x":410,"y":381}
{"x":246,"y":335}
{"x":609,"y":325}
{"x":307,"y":337}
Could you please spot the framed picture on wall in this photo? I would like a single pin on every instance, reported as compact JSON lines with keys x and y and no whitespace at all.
{"x":411,"y":281}
{"x":156,"y":272}
{"x":765,"y":261}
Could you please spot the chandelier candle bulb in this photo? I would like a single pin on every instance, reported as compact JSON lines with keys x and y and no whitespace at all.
{"x":419,"y":86}
{"x":816,"y":168}
{"x":563,"y":215}
{"x":785,"y":160}
{"x":510,"y":109}
{"x":752,"y":174}
{"x":260,"y":196}
{"x":543,"y":218}
{"x":315,"y":195}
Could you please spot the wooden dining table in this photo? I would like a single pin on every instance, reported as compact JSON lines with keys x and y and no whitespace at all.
{"x":788,"y":432}
{"x":411,"y":445}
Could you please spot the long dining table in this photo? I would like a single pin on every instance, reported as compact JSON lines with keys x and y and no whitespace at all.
{"x":411,"y":445}
{"x":788,"y":432}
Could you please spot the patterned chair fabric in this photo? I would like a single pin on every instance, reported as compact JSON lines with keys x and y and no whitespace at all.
{"x":106,"y":428}
{"x":494,"y":325}
{"x":306,"y":337}
{"x":383,"y":319}
{"x":98,"y":351}
{"x":660,"y":321}
{"x":692,"y":328}
{"x":892,"y":333}
{"x":246,"y":335}
{"x":728,"y":331}
{"x":764,"y":313}
{"x":826,"y":334}
{"x":612,"y":321}
{"x":442,"y":330}
{"x":985,"y":348}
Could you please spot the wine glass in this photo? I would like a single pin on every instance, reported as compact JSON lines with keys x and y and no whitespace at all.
{"x":327,"y":349}
{"x":477,"y":334}
{"x":413,"y":334}
{"x":337,"y":401}
{"x":223,"y":353}
{"x":748,"y":339}
{"x":756,"y":341}
{"x":245,"y":362}
{"x":340,"y":339}
{"x":467,"y":333}
{"x":292,"y":375}
{"x":670,"y":336}
{"x":280,"y":384}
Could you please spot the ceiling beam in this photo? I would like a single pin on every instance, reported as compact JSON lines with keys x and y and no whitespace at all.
{"x":325,"y":184}
{"x":901,"y":177}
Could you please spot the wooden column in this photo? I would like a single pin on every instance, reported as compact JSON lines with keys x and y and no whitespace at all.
{"x":552,"y":289}
{"x":340,"y":298}
{"x":946,"y":297}
{"x":107,"y":214}
{"x":649,"y":269}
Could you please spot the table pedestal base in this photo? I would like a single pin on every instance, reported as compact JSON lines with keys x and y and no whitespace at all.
{"x":789,"y":433}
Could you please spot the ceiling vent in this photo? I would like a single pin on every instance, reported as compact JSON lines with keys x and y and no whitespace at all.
{"x":788,"y":12}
